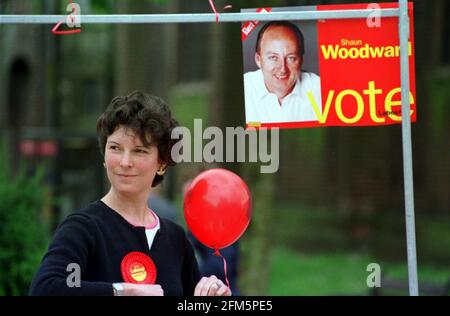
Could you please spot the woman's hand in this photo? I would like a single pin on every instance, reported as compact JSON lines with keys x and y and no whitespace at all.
{"x":131,"y":289}
{"x":211,"y":286}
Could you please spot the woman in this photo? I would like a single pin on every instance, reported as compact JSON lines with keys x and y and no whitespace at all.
{"x":115,"y":244}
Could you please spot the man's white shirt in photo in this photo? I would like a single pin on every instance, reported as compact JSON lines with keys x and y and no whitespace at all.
{"x":263,"y":107}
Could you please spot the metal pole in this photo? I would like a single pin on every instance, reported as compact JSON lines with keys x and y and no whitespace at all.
{"x":407,"y":151}
{"x":197,"y":18}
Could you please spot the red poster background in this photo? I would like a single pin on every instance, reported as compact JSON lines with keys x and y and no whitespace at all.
{"x":355,"y":74}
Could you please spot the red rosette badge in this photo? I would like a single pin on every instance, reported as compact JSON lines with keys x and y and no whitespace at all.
{"x":138,"y":268}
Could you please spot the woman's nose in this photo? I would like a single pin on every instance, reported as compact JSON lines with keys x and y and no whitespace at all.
{"x":125,"y":160}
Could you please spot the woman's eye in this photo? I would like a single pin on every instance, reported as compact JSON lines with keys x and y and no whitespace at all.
{"x":113,"y":147}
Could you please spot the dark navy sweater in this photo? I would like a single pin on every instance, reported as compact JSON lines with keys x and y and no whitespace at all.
{"x":97,"y":239}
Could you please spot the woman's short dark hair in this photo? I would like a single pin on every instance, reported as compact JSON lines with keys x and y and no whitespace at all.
{"x":148,"y":116}
{"x":287,"y":24}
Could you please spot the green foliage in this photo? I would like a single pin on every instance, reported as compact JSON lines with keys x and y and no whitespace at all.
{"x":23,"y":235}
{"x":160,"y":2}
{"x":381,"y":233}
{"x":439,"y":100}
{"x":102,"y":6}
{"x":186,"y":107}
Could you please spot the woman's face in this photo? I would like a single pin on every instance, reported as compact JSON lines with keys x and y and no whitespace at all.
{"x":130,"y":165}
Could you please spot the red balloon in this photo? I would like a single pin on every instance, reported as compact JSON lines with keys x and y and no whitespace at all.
{"x":217,"y":207}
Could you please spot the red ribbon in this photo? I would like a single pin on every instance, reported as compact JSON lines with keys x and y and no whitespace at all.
{"x":213,"y":7}
{"x":218,"y":254}
{"x":55,"y":29}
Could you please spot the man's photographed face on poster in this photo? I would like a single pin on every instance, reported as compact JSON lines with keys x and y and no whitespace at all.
{"x":279,"y":58}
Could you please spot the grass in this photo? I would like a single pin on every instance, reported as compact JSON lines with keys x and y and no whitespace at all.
{"x":321,"y":274}
{"x":337,"y":273}
{"x":316,"y":252}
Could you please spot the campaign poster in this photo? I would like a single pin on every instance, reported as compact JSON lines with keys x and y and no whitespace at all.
{"x":329,"y":72}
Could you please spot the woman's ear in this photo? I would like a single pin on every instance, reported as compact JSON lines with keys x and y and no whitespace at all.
{"x":162,"y":169}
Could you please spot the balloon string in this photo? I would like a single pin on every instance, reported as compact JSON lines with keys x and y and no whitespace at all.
{"x":213,"y":7}
{"x":218,"y":254}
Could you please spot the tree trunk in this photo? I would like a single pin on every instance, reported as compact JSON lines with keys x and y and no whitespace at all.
{"x":144,"y":55}
{"x":227,"y":109}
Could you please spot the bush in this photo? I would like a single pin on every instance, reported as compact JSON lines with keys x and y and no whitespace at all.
{"x":23,"y":234}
